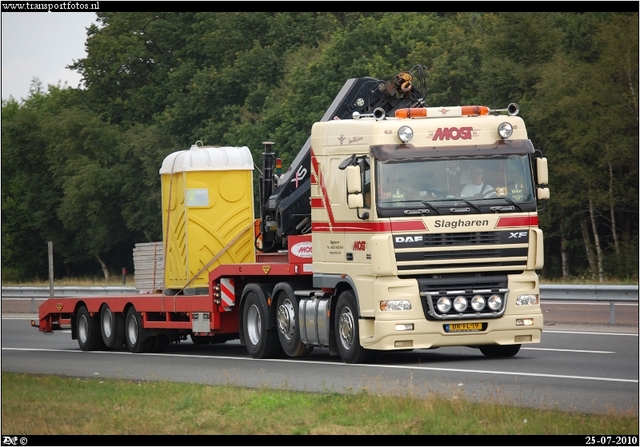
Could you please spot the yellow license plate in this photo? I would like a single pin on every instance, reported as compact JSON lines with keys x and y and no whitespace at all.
{"x":464,"y":327}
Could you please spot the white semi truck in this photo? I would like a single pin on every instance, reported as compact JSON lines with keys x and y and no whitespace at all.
{"x":366,"y":244}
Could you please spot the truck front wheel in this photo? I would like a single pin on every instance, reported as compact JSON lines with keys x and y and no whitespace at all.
{"x":499,"y":350}
{"x":259,"y":340}
{"x":88,"y":331}
{"x":137,"y":340}
{"x":347,"y":331}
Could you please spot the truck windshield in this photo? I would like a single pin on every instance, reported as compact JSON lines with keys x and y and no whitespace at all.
{"x":474,"y":181}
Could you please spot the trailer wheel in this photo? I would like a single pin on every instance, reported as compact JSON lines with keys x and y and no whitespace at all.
{"x":208,"y":339}
{"x":200,"y":340}
{"x":288,"y":325}
{"x":88,"y":330}
{"x":112,"y":326}
{"x":159,"y":343}
{"x":137,"y":339}
{"x":260,"y":341}
{"x":347,"y":331}
{"x":499,"y":350}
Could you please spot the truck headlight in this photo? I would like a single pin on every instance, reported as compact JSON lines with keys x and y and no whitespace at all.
{"x":495,"y":302}
{"x":460,"y":304}
{"x":527,"y":300}
{"x":444,"y":304}
{"x":395,"y":305}
{"x":524,"y":322}
{"x":505,"y":130}
{"x":477,"y":303}
{"x":405,"y":133}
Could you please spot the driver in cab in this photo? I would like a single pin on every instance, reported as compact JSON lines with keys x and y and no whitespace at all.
{"x":477,"y":188}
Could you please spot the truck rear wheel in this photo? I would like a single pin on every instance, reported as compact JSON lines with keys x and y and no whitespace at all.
{"x":499,"y":350}
{"x":347,"y":331}
{"x":288,"y":311}
{"x":137,"y":339}
{"x":259,"y":340}
{"x":112,"y":327}
{"x":88,"y":331}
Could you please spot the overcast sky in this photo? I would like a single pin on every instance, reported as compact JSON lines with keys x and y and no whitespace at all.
{"x":41,"y":44}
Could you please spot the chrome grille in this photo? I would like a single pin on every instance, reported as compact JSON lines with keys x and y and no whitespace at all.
{"x":473,"y":251}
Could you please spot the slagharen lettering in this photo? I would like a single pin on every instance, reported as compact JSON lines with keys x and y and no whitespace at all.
{"x":453,"y":224}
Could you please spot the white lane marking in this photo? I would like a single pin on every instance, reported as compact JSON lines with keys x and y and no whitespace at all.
{"x":546,"y":331}
{"x":348,"y":365}
{"x":587,"y":303}
{"x":569,"y":350}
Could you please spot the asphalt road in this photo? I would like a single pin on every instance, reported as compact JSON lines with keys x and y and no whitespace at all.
{"x":589,"y":368}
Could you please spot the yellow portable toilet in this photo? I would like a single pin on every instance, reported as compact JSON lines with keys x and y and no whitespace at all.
{"x":207,"y":214}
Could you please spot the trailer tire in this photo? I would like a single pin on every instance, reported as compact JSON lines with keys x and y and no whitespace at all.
{"x":200,"y":340}
{"x":287,"y":317}
{"x":347,"y":331}
{"x":209,"y":339}
{"x":496,"y":351}
{"x":261,"y":343}
{"x":159,"y":343}
{"x":88,"y":331}
{"x":137,"y":339}
{"x":112,"y":327}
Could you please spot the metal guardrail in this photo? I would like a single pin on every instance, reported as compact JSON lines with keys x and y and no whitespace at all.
{"x":43,"y":293}
{"x":67,"y":291}
{"x":570,"y":292}
{"x":588,"y":293}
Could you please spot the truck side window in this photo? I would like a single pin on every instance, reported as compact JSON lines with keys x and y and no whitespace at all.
{"x":366,"y":191}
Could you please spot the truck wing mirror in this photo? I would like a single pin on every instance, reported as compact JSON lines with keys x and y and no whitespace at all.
{"x":355,"y":201}
{"x":542,"y":171}
{"x":354,"y":180}
{"x":348,"y":162}
{"x":543,"y":193}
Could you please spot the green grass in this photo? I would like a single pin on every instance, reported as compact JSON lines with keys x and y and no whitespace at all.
{"x":47,"y":405}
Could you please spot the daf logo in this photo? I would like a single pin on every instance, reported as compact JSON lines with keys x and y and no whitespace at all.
{"x":517,"y":235}
{"x":405,"y":239}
